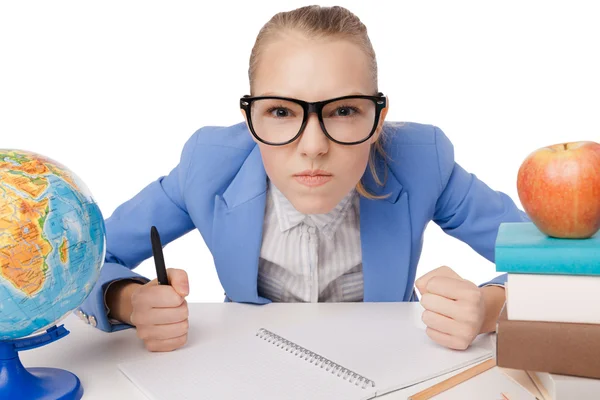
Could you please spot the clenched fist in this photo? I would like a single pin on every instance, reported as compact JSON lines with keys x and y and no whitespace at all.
{"x":160,"y":312}
{"x":455,"y":310}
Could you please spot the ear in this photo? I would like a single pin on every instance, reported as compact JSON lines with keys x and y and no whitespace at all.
{"x":381,"y":120}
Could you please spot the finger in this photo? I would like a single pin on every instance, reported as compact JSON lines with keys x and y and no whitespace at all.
{"x":421,"y":283}
{"x":452,"y":288}
{"x":440,"y":305}
{"x":156,"y":296}
{"x":178,"y":279}
{"x":160,"y":316}
{"x":452,"y":342}
{"x":166,"y":345}
{"x":163,"y":332}
{"x":443,"y":324}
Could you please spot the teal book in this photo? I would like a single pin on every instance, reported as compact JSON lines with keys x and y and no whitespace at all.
{"x":522,"y":248}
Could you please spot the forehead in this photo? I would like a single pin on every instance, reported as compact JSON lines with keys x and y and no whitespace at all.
{"x":312,"y":69}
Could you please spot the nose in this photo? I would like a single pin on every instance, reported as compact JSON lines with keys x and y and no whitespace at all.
{"x":313,"y":142}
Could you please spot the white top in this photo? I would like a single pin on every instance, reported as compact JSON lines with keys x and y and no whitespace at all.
{"x":310,"y":258}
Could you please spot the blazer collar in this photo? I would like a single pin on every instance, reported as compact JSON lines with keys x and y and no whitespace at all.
{"x":249,"y":182}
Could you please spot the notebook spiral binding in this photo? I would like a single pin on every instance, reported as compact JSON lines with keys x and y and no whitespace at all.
{"x":315,"y":359}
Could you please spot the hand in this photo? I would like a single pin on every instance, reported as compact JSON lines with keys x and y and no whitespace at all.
{"x":160,"y":312}
{"x":454,"y":308}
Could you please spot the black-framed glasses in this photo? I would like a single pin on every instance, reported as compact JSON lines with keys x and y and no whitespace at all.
{"x":346,"y":120}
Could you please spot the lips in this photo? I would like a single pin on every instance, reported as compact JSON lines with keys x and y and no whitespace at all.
{"x":313,"y":178}
{"x":313,"y":172}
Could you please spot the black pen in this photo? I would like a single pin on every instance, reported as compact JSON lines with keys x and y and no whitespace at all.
{"x":159,"y":260}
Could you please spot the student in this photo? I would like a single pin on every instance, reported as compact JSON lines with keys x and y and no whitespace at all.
{"x":309,"y":199}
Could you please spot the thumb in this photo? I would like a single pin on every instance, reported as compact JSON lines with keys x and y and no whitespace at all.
{"x":178,"y":279}
{"x":421,"y":283}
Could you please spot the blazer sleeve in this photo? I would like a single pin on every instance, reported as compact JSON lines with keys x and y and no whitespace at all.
{"x":468,"y":209}
{"x":162,"y":204}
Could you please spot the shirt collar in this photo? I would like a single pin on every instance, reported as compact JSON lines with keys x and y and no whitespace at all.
{"x":288,"y":217}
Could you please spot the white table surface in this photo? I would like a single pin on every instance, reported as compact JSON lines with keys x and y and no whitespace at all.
{"x":93,"y":355}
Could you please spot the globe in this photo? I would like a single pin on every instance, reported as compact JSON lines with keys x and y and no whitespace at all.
{"x":52,"y":243}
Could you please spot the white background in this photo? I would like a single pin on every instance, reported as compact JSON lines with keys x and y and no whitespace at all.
{"x":113,"y":89}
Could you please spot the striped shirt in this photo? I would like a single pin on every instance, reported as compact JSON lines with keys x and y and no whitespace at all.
{"x":310,"y":258}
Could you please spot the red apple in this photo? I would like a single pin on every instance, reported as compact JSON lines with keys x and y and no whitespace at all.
{"x":559,"y":188}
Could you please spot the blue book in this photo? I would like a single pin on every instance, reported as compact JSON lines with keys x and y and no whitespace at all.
{"x":522,"y":248}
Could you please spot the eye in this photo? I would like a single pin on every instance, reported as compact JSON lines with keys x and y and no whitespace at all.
{"x":280,"y":112}
{"x":345,"y":111}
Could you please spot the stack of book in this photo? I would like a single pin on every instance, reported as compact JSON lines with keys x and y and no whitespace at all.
{"x":551,"y":320}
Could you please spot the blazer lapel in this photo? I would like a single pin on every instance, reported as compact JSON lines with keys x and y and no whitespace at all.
{"x":385,"y":230}
{"x":237,"y":230}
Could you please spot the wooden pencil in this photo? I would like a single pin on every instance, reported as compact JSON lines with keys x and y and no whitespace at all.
{"x":454,"y":380}
{"x":539,"y":385}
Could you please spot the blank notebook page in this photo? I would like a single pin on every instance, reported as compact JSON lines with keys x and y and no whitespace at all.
{"x":386,"y":344}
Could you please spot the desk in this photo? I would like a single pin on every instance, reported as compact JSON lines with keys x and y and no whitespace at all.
{"x":93,"y":355}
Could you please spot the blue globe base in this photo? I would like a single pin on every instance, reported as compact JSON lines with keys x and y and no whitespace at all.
{"x":18,"y":382}
{"x":37,"y":383}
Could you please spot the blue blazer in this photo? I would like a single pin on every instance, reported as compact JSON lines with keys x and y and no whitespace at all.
{"x":219,"y":187}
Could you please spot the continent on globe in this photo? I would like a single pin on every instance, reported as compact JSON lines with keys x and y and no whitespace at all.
{"x":23,"y":247}
{"x":64,"y":246}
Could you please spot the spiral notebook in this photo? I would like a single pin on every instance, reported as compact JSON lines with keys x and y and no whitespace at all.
{"x":360,"y":353}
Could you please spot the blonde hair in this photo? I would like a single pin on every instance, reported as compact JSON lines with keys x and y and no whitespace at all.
{"x":318,"y":22}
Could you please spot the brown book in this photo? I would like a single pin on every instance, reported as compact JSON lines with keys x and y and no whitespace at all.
{"x":555,"y":347}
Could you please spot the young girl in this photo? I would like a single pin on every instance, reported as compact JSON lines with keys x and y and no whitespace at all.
{"x":313,"y":198}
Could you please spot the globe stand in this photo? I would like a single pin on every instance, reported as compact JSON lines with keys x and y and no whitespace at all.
{"x":18,"y":382}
